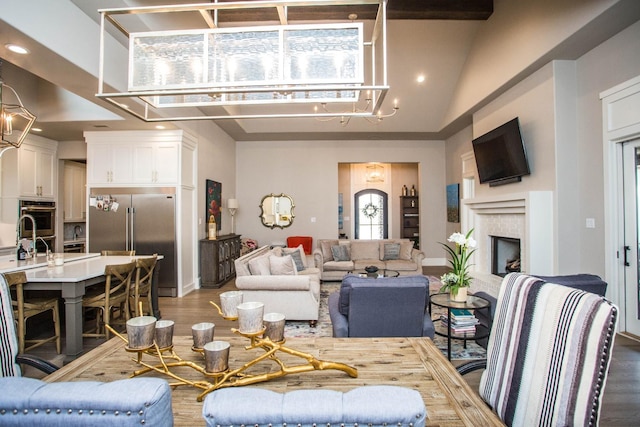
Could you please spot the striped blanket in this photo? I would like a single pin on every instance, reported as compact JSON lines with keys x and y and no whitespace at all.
{"x":548,"y":353}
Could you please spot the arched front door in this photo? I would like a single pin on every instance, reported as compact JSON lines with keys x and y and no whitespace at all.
{"x":371,"y":214}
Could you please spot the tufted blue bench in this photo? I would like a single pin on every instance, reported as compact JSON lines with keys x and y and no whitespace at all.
{"x":130,"y":402}
{"x":363,"y":406}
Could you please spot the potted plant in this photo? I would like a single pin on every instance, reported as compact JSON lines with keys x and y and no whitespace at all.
{"x":458,"y":280}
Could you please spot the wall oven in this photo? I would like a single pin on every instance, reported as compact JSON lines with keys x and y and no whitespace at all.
{"x":44,"y":214}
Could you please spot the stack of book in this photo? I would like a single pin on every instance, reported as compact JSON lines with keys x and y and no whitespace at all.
{"x":462,"y":320}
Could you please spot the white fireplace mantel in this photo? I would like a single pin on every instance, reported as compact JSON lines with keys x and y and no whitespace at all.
{"x":527,"y":216}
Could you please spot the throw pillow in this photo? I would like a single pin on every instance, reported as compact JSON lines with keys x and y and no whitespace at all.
{"x":325,"y":247}
{"x":299,"y":257}
{"x":406,"y":249}
{"x":340,"y":253}
{"x":260,"y":266}
{"x":282,"y":265}
{"x":391,"y":251}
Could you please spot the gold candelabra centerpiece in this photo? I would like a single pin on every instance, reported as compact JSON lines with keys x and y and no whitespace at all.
{"x":216,"y":372}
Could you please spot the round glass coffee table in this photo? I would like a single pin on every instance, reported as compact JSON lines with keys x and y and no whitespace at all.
{"x":459,"y":321}
{"x":377,"y":274}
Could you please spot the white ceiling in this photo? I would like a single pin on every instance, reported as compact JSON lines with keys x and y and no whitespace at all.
{"x":62,"y":94}
{"x":435,"y":48}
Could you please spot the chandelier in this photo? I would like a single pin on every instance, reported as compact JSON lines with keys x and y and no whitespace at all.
{"x":15,"y":119}
{"x":221,"y":71}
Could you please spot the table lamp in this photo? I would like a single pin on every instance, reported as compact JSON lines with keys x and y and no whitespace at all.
{"x":232,"y":205}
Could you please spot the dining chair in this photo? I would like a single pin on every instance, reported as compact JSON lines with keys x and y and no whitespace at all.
{"x":141,"y":289}
{"x":26,"y":308}
{"x":117,"y":253}
{"x":110,"y":296}
{"x":548,"y":353}
{"x":10,"y":355}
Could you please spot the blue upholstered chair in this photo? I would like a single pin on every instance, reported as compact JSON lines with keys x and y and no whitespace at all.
{"x":365,"y":406}
{"x":381,"y":307}
{"x":548,"y":353}
{"x":31,"y":402}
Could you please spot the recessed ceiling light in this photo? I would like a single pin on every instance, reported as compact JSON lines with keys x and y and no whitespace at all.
{"x":159,"y":127}
{"x":36,"y":129}
{"x":17,"y":49}
{"x":421,"y":78}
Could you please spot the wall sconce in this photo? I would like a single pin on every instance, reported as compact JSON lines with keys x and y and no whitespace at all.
{"x":232,"y":205}
{"x":15,"y":121}
{"x":375,"y":173}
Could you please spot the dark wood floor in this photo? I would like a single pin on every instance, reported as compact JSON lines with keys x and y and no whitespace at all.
{"x":621,"y":402}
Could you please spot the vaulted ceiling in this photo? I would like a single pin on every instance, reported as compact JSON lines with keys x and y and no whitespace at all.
{"x":432,"y":38}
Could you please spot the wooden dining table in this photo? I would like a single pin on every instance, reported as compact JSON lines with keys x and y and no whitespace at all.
{"x":415,"y":363}
{"x":71,"y":279}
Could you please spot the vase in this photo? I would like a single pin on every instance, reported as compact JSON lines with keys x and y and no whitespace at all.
{"x":461,"y":296}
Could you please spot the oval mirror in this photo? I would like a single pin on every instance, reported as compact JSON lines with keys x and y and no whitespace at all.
{"x":277,"y":210}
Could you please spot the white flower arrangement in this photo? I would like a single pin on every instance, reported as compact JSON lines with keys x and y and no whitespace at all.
{"x":459,"y":276}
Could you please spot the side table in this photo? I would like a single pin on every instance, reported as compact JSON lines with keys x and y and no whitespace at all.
{"x":472,"y":303}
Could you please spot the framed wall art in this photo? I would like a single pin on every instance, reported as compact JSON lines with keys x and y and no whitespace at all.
{"x":453,"y":203}
{"x":214,"y":203}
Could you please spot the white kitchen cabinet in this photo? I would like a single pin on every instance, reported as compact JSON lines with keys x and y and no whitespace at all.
{"x":111,"y":163}
{"x":155,"y":163}
{"x":132,"y":162}
{"x":37,"y":167}
{"x":75,"y":193}
{"x":162,"y":158}
{"x":31,"y":171}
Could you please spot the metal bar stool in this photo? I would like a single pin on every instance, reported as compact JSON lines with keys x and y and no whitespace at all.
{"x":23,"y":309}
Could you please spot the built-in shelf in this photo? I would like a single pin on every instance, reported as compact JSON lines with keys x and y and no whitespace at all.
{"x":410,"y":219}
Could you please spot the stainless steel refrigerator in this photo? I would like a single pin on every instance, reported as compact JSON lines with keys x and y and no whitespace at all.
{"x":140,"y":219}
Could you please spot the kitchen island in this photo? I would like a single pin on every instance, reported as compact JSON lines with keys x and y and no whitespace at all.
{"x":71,"y":279}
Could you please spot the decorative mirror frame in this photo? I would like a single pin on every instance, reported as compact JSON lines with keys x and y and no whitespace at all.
{"x":263,"y":213}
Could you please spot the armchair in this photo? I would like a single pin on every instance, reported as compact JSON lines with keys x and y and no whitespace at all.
{"x":381,"y":307}
{"x":548,"y":353}
{"x":33,"y":402}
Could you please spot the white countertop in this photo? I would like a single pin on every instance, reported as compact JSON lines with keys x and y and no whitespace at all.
{"x":76,"y":270}
{"x":40,"y":261}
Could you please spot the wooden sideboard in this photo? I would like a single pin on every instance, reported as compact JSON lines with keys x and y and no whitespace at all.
{"x":217,"y":260}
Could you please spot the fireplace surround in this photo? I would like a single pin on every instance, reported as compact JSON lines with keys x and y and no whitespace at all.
{"x":527,"y":217}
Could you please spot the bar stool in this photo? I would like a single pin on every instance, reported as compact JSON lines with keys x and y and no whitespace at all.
{"x":142,"y":288}
{"x":113,"y":294}
{"x":117,"y":253}
{"x":24,"y":309}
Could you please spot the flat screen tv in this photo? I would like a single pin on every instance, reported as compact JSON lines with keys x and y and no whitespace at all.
{"x":500,"y":155}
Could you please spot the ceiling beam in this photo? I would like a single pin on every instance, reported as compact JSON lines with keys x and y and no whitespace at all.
{"x":396,"y":9}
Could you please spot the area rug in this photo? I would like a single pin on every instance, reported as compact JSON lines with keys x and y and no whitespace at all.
{"x":323,"y":328}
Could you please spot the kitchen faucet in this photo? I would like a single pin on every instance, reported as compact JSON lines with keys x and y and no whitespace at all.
{"x":45,"y":245}
{"x":33,"y":222}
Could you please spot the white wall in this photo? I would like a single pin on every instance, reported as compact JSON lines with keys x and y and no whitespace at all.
{"x":515,"y":41}
{"x":216,"y":161}
{"x":561,"y":119}
{"x":613,"y":62}
{"x":308,"y":172}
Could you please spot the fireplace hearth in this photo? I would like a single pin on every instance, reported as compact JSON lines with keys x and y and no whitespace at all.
{"x":505,"y":255}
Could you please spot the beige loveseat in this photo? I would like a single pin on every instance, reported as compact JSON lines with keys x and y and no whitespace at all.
{"x":355,"y":255}
{"x":270,"y":276}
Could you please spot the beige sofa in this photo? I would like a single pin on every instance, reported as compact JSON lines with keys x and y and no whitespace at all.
{"x":355,"y":255}
{"x":266,"y":275}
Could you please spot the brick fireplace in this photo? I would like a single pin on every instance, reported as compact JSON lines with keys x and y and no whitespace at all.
{"x":525,"y":217}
